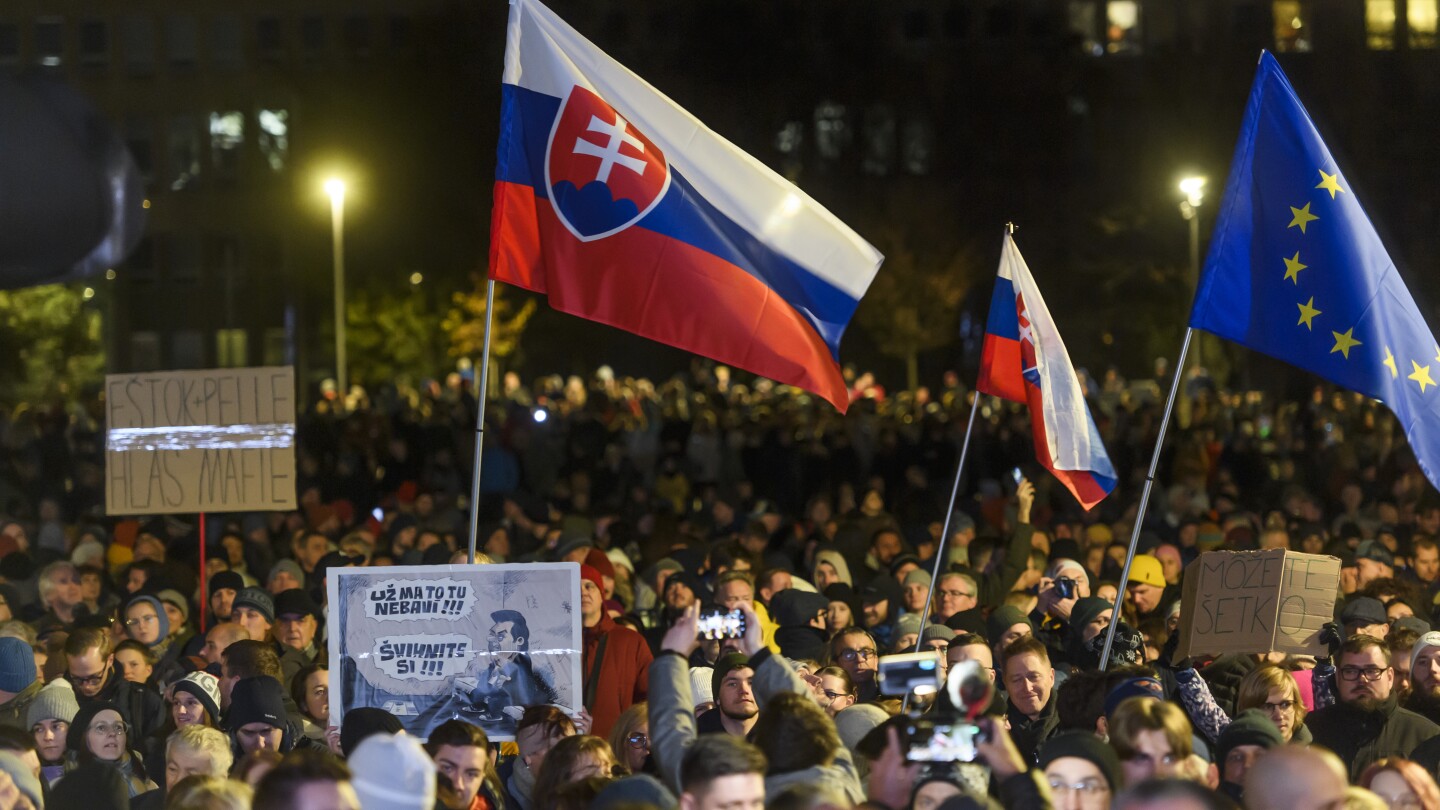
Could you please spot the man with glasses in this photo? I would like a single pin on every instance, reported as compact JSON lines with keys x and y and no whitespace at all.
{"x":90,"y":668}
{"x":1367,"y":723}
{"x":956,"y":592}
{"x":854,"y":651}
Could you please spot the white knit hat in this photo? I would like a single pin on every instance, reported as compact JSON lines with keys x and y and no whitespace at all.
{"x":392,"y":772}
{"x":700,"y":688}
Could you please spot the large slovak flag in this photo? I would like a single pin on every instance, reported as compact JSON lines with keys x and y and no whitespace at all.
{"x":1024,"y":360}
{"x":622,"y":208}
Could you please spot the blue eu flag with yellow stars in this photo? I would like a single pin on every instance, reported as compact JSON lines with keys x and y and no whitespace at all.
{"x":1296,"y":271}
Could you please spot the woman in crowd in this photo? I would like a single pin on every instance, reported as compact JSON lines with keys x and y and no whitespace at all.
{"x":135,"y":661}
{"x":49,"y":716}
{"x":630,"y":739}
{"x":99,"y":734}
{"x":1083,"y":771}
{"x":1401,"y":784}
{"x":310,"y":689}
{"x":573,"y":759}
{"x":192,"y":700}
{"x":147,"y":623}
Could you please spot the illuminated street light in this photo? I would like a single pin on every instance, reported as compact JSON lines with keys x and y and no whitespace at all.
{"x":335,"y":187}
{"x":1194,"y":190}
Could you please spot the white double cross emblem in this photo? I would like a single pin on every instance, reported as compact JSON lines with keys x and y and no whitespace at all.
{"x":610,"y":154}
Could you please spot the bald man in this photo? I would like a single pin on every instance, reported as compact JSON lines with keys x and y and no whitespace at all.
{"x":221,"y":636}
{"x":1294,"y":777}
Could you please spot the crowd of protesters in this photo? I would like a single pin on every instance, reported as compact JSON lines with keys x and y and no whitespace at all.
{"x":821,"y":529}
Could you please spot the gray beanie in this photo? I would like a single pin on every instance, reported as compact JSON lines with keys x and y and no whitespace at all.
{"x":855,"y":722}
{"x":55,"y":702}
{"x":21,"y":775}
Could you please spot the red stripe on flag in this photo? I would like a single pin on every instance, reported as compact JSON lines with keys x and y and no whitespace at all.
{"x":1081,"y":483}
{"x":1000,"y":371}
{"x":662,"y":289}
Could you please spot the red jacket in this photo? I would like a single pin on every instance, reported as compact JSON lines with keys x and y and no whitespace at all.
{"x":624,"y":676}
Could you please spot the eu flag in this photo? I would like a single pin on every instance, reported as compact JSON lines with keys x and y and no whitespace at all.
{"x":1296,"y":271}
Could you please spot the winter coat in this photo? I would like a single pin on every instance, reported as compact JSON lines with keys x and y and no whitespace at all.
{"x":1029,"y":734}
{"x":624,"y":677}
{"x":1362,"y":736}
{"x":141,"y":707}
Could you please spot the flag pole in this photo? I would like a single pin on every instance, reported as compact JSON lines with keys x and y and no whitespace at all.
{"x":1145,"y":498}
{"x":482,"y":394}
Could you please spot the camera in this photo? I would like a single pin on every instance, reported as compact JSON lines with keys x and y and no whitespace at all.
{"x":718,"y":624}
{"x":1065,"y":587}
{"x":917,"y":672}
{"x":949,"y":732}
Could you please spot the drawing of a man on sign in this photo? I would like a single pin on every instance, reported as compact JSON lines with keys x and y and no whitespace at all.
{"x":509,"y":680}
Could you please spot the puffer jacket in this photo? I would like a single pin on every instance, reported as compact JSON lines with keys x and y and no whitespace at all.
{"x":1362,"y":736}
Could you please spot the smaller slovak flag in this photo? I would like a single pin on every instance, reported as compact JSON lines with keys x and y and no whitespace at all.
{"x":1024,"y":360}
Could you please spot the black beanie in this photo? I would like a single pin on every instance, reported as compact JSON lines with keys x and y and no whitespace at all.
{"x":363,"y":722}
{"x":1086,"y":746}
{"x":226,"y":579}
{"x":258,"y":699}
{"x":1085,"y":610}
{"x":94,"y":786}
{"x":80,"y":724}
{"x":1250,"y":727}
{"x":723,"y":666}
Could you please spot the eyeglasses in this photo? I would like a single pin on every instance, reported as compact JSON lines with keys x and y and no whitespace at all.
{"x":86,"y":680}
{"x":1085,"y":787}
{"x":942,"y":648}
{"x":638,"y":741}
{"x":958,"y":594}
{"x":110,"y":729}
{"x":1369,"y":673}
{"x":851,"y":656}
{"x":1282,"y":706}
{"x":834,"y":696}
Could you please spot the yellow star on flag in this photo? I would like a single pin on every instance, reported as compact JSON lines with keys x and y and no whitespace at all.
{"x":1390,"y":363}
{"x":1293,"y":268}
{"x":1437,"y":351}
{"x":1344,"y":342}
{"x":1421,"y":375}
{"x":1307,"y":313}
{"x":1331,"y":183}
{"x":1301,"y":217}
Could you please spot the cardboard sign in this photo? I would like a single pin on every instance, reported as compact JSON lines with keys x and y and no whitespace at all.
{"x":475,"y":642}
{"x":200,"y":441}
{"x":1257,"y":601}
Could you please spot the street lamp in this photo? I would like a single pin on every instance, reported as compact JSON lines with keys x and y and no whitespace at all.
{"x":1194,"y":190}
{"x":335,"y":187}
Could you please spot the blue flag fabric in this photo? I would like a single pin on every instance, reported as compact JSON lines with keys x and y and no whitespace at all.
{"x":1296,"y":271}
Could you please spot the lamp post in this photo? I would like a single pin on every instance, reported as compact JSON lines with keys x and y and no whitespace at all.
{"x":1194,"y":190}
{"x":335,"y":187}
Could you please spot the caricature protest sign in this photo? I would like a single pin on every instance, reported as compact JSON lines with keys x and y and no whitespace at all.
{"x":1257,"y":601}
{"x":475,"y":642}
{"x":219,"y":440}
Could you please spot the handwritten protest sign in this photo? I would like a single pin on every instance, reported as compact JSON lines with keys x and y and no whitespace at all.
{"x":200,"y":441}
{"x":1257,"y":601}
{"x":433,"y":643}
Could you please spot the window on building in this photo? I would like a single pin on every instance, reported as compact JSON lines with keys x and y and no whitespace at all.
{"x":226,"y":49}
{"x":187,"y":349}
{"x":231,"y":349}
{"x":400,"y":32}
{"x":1084,"y":26}
{"x":1122,"y":26}
{"x":184,"y":152}
{"x":917,"y":146}
{"x":137,"y":36}
{"x":1379,"y":25}
{"x":144,"y":351}
{"x":272,"y":133}
{"x":277,"y":348}
{"x":9,"y":43}
{"x":140,"y":139}
{"x":182,"y":46}
{"x":312,"y":35}
{"x":49,"y":41}
{"x":832,"y":133}
{"x":1422,"y":17}
{"x":356,"y":32}
{"x":94,"y":43}
{"x":269,"y":38}
{"x":879,"y":138}
{"x":1292,"y":26}
{"x":227,"y":137}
